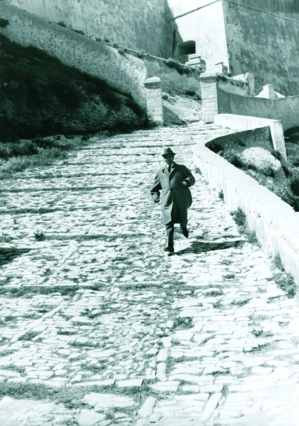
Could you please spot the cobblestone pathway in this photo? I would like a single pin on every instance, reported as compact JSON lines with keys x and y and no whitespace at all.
{"x":100,"y":327}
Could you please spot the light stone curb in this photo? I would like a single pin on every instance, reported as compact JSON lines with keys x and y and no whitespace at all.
{"x":130,"y":383}
{"x":210,"y":406}
{"x":147,"y":407}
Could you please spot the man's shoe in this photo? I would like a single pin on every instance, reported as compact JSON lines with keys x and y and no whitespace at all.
{"x":169,"y":249}
{"x":185,"y":231}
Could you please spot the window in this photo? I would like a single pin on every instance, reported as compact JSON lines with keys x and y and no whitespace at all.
{"x":187,"y":48}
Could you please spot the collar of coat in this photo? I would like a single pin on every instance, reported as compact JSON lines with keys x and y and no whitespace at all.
{"x":173,"y":167}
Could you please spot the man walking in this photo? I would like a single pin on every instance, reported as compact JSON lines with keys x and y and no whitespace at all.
{"x":173,"y":180}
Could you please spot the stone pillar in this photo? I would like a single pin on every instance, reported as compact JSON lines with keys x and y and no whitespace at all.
{"x":153,"y":89}
{"x":249,"y":78}
{"x":269,"y":92}
{"x":221,"y":68}
{"x":278,"y":137}
{"x":209,"y":96}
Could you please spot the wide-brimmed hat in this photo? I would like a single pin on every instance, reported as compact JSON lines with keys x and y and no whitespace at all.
{"x":168,"y":151}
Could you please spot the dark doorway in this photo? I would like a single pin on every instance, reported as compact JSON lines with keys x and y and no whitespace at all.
{"x":187,"y":48}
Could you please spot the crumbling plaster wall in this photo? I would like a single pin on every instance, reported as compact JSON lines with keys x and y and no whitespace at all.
{"x":265,"y":43}
{"x":135,"y":24}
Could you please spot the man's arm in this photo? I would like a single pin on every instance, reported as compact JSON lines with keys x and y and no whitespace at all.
{"x":189,"y":179}
{"x":156,"y":188}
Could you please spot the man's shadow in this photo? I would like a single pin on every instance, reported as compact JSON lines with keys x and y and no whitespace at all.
{"x":201,"y":246}
{"x":8,"y":254}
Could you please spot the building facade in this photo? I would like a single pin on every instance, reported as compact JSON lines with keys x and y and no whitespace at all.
{"x":134,"y":24}
{"x":257,"y":36}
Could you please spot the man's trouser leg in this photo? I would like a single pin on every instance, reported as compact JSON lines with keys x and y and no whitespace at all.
{"x":170,"y":233}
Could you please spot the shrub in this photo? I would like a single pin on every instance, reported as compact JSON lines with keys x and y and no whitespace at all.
{"x":286,"y":283}
{"x":295,"y":161}
{"x":62,"y":24}
{"x":39,"y":236}
{"x":180,"y":68}
{"x":170,"y":63}
{"x":3,"y":23}
{"x":239,"y":217}
{"x":267,"y":171}
{"x":78,"y":31}
{"x":233,"y":158}
{"x":215,"y":147}
{"x":141,"y":53}
{"x":251,"y":237}
{"x":52,"y":143}
{"x":294,"y":181}
{"x":24,"y":148}
{"x":278,"y":263}
{"x":5,"y":151}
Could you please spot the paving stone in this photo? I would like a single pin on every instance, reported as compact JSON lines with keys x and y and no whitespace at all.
{"x":210,"y":406}
{"x":130,"y":383}
{"x":119,"y":310}
{"x":171,"y":386}
{"x":104,"y":401}
{"x":89,"y":418}
{"x":147,"y":407}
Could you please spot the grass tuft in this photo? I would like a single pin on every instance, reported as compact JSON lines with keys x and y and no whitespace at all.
{"x":39,"y":236}
{"x":278,"y":263}
{"x":239,"y":217}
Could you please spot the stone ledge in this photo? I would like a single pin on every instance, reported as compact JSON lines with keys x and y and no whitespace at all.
{"x":276,"y":224}
{"x":244,"y":122}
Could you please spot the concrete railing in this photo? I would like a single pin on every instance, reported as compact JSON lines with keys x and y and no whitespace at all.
{"x":243,"y":122}
{"x":275,"y":223}
{"x":220,"y":97}
{"x":154,"y":104}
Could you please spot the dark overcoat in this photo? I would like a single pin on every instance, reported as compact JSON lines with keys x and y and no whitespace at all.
{"x":175,"y":197}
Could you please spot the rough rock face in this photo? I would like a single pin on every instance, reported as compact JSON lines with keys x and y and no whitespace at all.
{"x":261,"y":159}
{"x":180,"y":110}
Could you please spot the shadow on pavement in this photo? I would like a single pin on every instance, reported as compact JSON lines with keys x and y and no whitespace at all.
{"x":7,"y":254}
{"x":205,"y":246}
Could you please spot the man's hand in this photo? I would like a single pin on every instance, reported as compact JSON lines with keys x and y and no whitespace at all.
{"x":184,"y":183}
{"x":156,"y":198}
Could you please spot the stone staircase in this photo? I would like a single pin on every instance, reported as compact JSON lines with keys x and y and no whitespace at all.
{"x":100,"y":327}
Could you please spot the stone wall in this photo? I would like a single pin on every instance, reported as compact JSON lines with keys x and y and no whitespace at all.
{"x":172,"y":81}
{"x":233,"y":86}
{"x":275,"y":222}
{"x":284,"y":109}
{"x":260,"y":37}
{"x":264,"y":39}
{"x":125,"y":72}
{"x":136,"y":24}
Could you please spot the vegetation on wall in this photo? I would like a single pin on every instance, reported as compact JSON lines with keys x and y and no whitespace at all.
{"x":180,"y":68}
{"x":287,"y":188}
{"x":40,"y":96}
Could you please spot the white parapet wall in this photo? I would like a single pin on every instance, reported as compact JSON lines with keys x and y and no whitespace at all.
{"x":244,"y":122}
{"x":276,"y":224}
{"x":154,"y":104}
